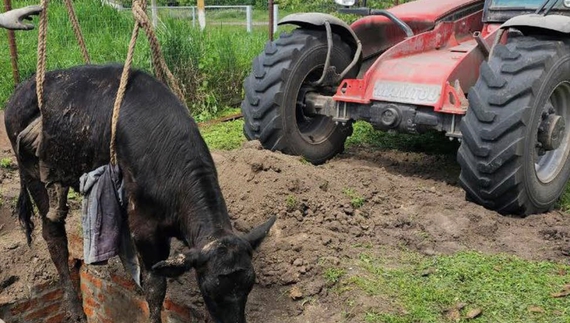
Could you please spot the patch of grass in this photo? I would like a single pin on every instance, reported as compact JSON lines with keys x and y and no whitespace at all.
{"x":430,"y":143}
{"x":6,"y":163}
{"x":333,"y":274}
{"x":224,"y":136}
{"x":356,"y":200}
{"x":505,"y":288}
{"x":72,"y":195}
{"x":291,"y":203}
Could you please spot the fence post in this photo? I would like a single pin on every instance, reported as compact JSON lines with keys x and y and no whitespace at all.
{"x":193,"y":16}
{"x":248,"y":18}
{"x":275,"y":17}
{"x":201,"y":14}
{"x":154,"y":13}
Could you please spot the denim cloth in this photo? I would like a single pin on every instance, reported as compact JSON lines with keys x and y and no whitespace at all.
{"x":105,"y":229}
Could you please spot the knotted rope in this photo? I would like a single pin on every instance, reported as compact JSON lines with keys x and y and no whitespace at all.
{"x":141,"y":21}
{"x":41,"y":63}
{"x":42,"y":43}
{"x":77,"y":31}
{"x":161,"y":70}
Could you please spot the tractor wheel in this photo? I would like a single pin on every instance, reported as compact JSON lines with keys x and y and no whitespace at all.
{"x":515,"y":148}
{"x":273,"y":107}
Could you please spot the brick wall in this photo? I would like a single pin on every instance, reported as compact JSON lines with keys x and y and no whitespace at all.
{"x":108,"y":294}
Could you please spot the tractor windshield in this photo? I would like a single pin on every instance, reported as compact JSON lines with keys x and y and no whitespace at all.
{"x":521,"y":4}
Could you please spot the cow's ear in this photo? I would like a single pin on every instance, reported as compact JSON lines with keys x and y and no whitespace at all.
{"x":256,"y":235}
{"x":177,"y":265}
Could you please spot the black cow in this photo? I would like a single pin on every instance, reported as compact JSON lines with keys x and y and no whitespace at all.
{"x":170,"y":182}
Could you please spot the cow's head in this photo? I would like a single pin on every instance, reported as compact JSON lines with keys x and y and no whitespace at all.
{"x":224,"y":271}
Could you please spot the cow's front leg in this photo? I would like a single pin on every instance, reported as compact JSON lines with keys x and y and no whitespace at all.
{"x":151,"y":250}
{"x":53,"y":231}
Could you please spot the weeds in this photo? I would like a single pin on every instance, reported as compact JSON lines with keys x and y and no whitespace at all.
{"x":291,"y":203}
{"x":6,"y":163}
{"x":332,"y":275}
{"x":356,"y":200}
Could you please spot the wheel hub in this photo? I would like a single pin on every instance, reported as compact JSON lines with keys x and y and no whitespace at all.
{"x":551,"y":132}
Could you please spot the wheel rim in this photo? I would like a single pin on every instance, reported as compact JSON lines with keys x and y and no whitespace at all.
{"x":313,"y":128}
{"x":548,"y":164}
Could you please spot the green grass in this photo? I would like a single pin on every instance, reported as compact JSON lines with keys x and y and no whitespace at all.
{"x":210,"y":65}
{"x":421,"y":289}
{"x":6,"y":163}
{"x":333,"y":275}
{"x":224,"y":136}
{"x":356,"y":200}
{"x":432,"y":142}
{"x":291,"y":203}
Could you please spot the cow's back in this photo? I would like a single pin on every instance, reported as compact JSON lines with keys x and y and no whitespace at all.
{"x":156,"y":138}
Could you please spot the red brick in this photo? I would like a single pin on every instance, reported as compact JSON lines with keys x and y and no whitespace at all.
{"x":40,"y":288}
{"x":86,"y":290}
{"x":91,"y":302}
{"x":143,"y":305}
{"x":181,"y":310}
{"x":58,"y":318}
{"x":128,"y":284}
{"x":21,"y":307}
{"x":95,"y":281}
{"x":42,"y":312}
{"x":88,"y":311}
{"x":51,"y":296}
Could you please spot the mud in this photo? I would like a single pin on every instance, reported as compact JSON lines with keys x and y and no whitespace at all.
{"x":379,"y":201}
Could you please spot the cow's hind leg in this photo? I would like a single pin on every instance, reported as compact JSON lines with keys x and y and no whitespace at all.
{"x":152,"y":247}
{"x":53,"y":231}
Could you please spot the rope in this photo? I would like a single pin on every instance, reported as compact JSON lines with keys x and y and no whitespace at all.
{"x":141,"y":21}
{"x":77,"y":31}
{"x":41,"y":63}
{"x":122,"y":89}
{"x":160,"y":68}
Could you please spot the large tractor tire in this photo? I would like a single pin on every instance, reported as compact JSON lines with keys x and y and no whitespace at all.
{"x":516,"y":138}
{"x":273,"y":107}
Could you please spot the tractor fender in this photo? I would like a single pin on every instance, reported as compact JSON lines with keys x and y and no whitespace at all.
{"x":551,"y":22}
{"x":317,"y":20}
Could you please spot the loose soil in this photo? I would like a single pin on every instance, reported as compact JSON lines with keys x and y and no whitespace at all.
{"x":411,"y":201}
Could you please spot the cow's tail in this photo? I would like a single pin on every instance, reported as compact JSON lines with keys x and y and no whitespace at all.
{"x":25,"y":209}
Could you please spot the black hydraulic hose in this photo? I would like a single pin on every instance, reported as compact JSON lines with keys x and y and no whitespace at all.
{"x":404,"y":26}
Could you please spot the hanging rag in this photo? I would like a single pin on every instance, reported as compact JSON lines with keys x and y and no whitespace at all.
{"x":105,"y":229}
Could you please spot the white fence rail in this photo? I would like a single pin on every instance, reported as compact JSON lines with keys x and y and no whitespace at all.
{"x":191,"y":12}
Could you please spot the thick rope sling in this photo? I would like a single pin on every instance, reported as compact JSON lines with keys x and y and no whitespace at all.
{"x":161,"y":70}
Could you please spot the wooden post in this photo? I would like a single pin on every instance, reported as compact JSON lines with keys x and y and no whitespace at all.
{"x":13,"y":48}
{"x":271,"y":18}
{"x":201,"y":14}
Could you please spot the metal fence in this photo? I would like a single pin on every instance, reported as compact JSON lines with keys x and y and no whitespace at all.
{"x":191,"y":12}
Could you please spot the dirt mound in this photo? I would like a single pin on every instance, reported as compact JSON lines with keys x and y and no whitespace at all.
{"x":363,"y":200}
{"x":379,"y":201}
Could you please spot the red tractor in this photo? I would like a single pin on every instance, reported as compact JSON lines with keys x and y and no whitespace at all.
{"x":494,"y":74}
